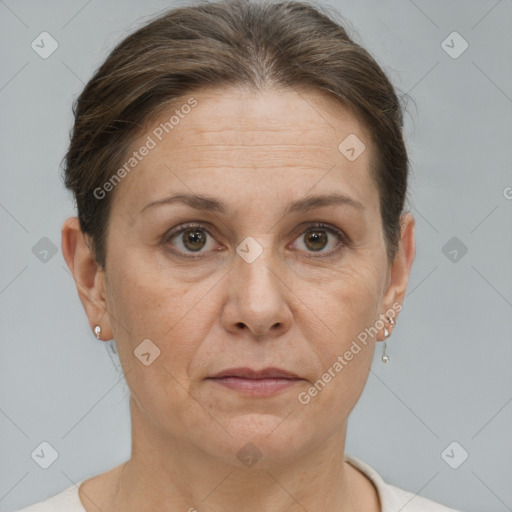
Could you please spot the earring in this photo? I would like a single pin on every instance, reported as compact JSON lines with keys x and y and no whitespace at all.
{"x":97,"y":331}
{"x":385,"y":358}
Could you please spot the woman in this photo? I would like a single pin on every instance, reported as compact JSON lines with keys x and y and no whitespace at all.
{"x":240,"y":176}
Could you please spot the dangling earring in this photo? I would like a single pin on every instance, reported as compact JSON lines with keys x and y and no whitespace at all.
{"x":385,"y":358}
{"x":97,"y":331}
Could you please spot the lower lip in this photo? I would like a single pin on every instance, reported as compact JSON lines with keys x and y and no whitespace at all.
{"x":256,"y":387}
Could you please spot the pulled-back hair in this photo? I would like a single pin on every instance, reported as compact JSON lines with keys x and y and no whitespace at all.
{"x":243,"y":43}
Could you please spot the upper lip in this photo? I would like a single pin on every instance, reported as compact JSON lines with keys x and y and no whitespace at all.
{"x":249,"y":373}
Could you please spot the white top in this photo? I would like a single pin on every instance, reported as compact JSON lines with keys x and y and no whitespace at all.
{"x":392,"y":498}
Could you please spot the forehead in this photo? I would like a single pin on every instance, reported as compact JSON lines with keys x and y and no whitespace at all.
{"x":273,"y":117}
{"x":290,"y":138}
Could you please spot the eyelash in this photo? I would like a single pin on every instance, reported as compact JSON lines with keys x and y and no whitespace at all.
{"x":343,"y":240}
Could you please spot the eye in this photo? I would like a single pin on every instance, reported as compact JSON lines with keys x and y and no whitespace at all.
{"x":319,"y":236}
{"x":191,"y":238}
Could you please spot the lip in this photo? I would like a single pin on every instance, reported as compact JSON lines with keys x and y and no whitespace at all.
{"x":256,"y":383}
{"x":249,"y":373}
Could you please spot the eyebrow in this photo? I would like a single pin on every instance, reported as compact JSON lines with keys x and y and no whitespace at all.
{"x":211,"y":204}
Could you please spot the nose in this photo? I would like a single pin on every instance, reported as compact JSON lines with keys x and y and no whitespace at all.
{"x":257,"y":298}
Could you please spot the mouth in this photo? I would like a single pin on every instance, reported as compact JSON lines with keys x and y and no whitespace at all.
{"x":256,"y":382}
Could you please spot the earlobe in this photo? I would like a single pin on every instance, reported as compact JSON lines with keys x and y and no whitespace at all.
{"x":88,"y":276}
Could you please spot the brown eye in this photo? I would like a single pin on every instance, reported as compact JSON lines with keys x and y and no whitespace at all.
{"x":323,"y":240}
{"x":316,"y":240}
{"x":190,"y":239}
{"x":194,"y":239}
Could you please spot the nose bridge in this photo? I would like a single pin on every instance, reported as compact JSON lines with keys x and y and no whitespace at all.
{"x":256,"y":263}
{"x":257,"y":299}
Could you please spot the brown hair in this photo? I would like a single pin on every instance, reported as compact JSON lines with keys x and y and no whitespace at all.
{"x":244,"y":43}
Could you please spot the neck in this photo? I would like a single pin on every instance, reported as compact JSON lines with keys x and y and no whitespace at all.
{"x":166,"y":473}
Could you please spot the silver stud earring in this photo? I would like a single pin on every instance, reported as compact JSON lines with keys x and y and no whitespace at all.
{"x":97,"y":331}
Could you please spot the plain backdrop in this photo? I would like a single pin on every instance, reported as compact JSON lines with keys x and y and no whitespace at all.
{"x":447,"y":392}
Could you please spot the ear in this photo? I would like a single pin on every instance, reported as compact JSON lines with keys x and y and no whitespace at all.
{"x":398,"y":276}
{"x":88,"y":275}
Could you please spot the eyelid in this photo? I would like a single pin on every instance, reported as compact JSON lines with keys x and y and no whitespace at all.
{"x":307,"y":226}
{"x":188,"y":225}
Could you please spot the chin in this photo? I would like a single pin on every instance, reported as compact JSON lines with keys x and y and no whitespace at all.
{"x":269,"y":438}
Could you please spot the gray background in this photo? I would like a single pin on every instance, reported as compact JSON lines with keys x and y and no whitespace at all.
{"x":450,"y":378}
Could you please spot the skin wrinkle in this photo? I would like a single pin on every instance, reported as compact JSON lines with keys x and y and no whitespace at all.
{"x":186,"y":431}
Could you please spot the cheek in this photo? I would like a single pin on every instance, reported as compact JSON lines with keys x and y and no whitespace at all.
{"x":345,"y":361}
{"x":145,"y":304}
{"x":146,"y":301}
{"x":344,"y":342}
{"x":346,"y":304}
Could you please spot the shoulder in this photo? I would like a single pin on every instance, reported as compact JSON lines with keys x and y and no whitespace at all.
{"x":66,"y":501}
{"x":394,"y":499}
{"x":405,"y":501}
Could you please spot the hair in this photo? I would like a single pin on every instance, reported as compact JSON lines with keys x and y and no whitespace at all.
{"x":241,"y":43}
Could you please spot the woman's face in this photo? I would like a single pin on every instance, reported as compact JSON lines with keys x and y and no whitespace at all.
{"x":251,"y":283}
